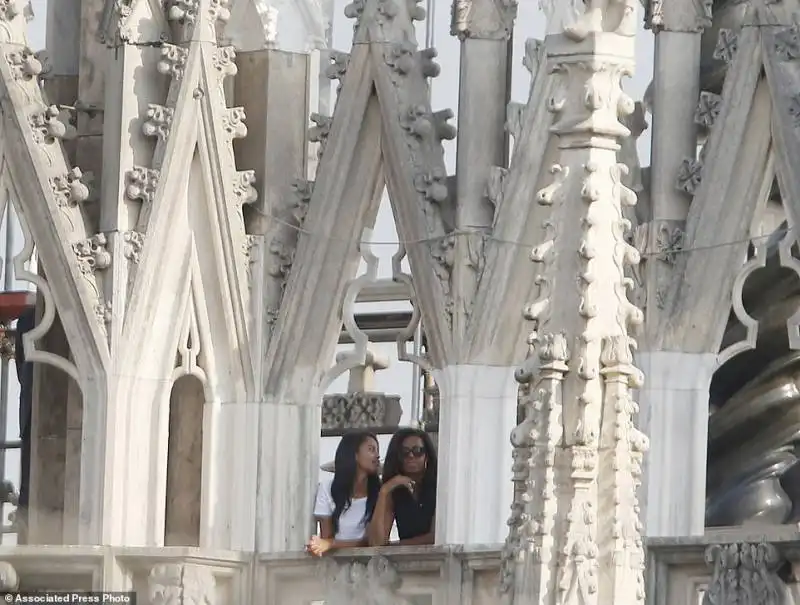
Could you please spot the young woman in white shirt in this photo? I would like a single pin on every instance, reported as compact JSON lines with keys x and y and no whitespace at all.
{"x":344,"y":506}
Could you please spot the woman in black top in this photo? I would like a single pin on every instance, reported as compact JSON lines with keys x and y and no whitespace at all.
{"x":408,"y":494}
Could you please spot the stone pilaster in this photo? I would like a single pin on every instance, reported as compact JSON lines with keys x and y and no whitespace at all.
{"x":575,"y":531}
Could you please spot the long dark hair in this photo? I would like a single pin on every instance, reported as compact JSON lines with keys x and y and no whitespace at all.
{"x":344,"y":477}
{"x":393,"y":465}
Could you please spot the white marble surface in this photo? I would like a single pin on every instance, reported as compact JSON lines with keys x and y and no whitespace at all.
{"x":674,"y":415}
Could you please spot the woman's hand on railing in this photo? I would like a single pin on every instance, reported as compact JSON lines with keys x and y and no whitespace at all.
{"x":317,"y":546}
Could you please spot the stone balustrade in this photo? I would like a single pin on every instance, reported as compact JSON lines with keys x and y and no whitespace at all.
{"x":757,"y":566}
{"x":413,"y":575}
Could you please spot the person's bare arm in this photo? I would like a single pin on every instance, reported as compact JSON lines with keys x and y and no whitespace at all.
{"x":382,"y":519}
{"x":318,"y":546}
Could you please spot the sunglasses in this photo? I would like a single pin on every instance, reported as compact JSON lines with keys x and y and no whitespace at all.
{"x":412,"y":452}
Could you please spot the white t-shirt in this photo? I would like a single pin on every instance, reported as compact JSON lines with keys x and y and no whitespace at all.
{"x":351,"y":521}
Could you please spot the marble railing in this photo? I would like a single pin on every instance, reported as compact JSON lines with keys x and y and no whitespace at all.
{"x":758,"y":566}
{"x":753,"y":566}
{"x":430,"y":575}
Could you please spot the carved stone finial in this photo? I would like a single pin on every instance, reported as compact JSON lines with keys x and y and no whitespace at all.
{"x":244,"y":187}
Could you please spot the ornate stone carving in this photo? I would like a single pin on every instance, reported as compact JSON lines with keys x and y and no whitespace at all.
{"x":727,"y":45}
{"x":669,"y":242}
{"x":483,"y":19}
{"x":376,"y":583}
{"x":360,"y":411}
{"x":708,"y":109}
{"x":745,"y":573}
{"x":47,"y":125}
{"x":92,"y":254}
{"x":320,"y":131}
{"x":303,"y":191}
{"x":8,"y":10}
{"x":158,"y":121}
{"x":244,"y":188}
{"x":225,"y":61}
{"x":690,"y":175}
{"x":337,"y":67}
{"x":70,"y":189}
{"x":787,"y":43}
{"x":402,"y":57}
{"x":141,"y":184}
{"x":104,"y":313}
{"x":24,"y":64}
{"x":578,"y":413}
{"x":186,"y":12}
{"x":181,"y":584}
{"x":442,"y":128}
{"x":233,"y":123}
{"x":134,"y":241}
{"x":173,"y":61}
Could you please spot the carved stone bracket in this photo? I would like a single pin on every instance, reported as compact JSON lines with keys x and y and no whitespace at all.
{"x":745,"y":573}
{"x":374,"y":583}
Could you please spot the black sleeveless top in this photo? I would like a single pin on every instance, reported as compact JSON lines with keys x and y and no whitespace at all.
{"x":414,"y":516}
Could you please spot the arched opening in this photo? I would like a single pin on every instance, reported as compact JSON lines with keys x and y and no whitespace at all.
{"x":184,"y":463}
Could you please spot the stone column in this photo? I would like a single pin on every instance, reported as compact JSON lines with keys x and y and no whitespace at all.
{"x":477,"y":393}
{"x":484,"y":28}
{"x":575,"y":533}
{"x":674,"y":414}
{"x":477,"y":409}
{"x":675,"y":404}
